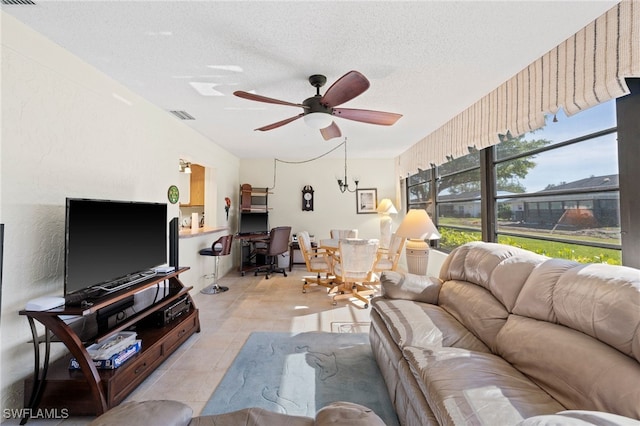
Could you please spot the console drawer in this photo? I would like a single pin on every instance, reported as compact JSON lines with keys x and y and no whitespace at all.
{"x":134,"y":372}
{"x":180,"y":333}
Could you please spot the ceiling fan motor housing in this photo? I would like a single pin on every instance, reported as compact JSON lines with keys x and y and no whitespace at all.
{"x":315,"y":105}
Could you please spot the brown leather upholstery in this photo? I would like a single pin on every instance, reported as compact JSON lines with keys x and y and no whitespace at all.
{"x":220,"y":247}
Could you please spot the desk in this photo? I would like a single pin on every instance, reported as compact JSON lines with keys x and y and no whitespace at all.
{"x":293,"y":246}
{"x":247,"y":243}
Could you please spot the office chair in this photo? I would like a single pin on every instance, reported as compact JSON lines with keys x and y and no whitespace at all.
{"x":277,"y":244}
{"x":221,"y":247}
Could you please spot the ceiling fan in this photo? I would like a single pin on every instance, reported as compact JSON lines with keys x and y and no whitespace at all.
{"x":319,"y":110}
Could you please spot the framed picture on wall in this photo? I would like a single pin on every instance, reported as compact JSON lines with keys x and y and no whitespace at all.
{"x":366,"y":200}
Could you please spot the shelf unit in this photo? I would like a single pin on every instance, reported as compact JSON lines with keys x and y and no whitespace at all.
{"x":92,"y":391}
{"x":253,"y":199}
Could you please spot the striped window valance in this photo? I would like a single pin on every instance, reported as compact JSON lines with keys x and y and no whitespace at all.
{"x":587,"y":69}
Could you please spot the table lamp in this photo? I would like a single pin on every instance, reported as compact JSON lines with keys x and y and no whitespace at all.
{"x":417,"y":227}
{"x":385,"y":210}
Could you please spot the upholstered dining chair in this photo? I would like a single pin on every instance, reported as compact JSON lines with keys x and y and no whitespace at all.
{"x":277,"y":244}
{"x":339,"y":234}
{"x":318,"y":261}
{"x":387,"y":259}
{"x":353,"y":267}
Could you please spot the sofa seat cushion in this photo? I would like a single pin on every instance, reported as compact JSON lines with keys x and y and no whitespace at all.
{"x":424,"y":325}
{"x":474,"y":388}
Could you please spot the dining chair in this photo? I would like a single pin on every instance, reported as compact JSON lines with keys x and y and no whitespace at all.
{"x":277,"y":244}
{"x":317,"y":260}
{"x":387,"y":259}
{"x":339,"y":234}
{"x":353,"y":268}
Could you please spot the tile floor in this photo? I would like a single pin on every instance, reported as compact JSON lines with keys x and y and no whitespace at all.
{"x":191,"y":374}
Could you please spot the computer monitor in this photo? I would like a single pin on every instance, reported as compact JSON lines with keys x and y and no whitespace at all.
{"x":254,"y":223}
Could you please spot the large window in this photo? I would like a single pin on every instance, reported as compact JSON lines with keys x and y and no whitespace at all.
{"x":458,"y":200}
{"x":554,"y":191}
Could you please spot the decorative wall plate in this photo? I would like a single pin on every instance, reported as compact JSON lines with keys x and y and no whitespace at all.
{"x":173,"y":194}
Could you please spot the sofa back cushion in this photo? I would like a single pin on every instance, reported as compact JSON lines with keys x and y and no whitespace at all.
{"x":601,"y":301}
{"x":499,"y":268}
{"x":481,"y":283}
{"x":577,"y":370}
{"x":475,"y":308}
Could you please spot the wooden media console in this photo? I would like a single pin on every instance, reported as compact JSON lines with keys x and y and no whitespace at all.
{"x":92,"y":391}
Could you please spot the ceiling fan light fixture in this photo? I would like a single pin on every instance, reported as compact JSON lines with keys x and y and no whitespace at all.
{"x":318,"y":120}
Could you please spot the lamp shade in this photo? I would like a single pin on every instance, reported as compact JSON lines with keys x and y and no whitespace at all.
{"x":318,"y":120}
{"x":386,"y":207}
{"x":418,"y":225}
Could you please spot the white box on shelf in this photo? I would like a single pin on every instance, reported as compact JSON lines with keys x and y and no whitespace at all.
{"x":112,"y":346}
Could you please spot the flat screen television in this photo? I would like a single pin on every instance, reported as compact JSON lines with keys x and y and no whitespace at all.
{"x":254,"y":223}
{"x":107,"y":241}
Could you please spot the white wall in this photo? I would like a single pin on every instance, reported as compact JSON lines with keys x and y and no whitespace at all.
{"x":332,"y":209}
{"x":67,"y":133}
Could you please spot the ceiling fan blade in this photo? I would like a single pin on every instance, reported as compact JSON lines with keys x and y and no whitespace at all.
{"x":259,"y":98}
{"x":345,"y":88}
{"x":333,"y":131}
{"x":279,"y":123}
{"x":367,"y":116}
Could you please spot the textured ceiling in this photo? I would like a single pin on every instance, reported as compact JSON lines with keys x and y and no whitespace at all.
{"x":427,"y":60}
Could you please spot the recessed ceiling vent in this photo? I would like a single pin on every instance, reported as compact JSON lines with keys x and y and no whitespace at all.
{"x":182,"y":115}
{"x":18,"y":2}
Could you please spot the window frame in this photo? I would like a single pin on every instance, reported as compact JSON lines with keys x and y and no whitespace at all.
{"x":627,"y":127}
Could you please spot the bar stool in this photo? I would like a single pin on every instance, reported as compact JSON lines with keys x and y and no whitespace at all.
{"x":221,"y":247}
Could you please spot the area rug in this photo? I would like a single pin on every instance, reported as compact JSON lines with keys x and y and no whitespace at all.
{"x":350,"y":327}
{"x":300,"y":373}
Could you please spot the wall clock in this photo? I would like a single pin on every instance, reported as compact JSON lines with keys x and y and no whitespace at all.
{"x":173,"y":194}
{"x":307,"y":198}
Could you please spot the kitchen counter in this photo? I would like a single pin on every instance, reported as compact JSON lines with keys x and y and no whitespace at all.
{"x":188,"y":232}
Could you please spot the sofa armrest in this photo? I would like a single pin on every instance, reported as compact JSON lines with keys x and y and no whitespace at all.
{"x":419,"y":288}
{"x":341,"y":413}
{"x":134,"y":413}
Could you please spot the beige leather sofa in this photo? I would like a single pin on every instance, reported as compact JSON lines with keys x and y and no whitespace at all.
{"x":508,"y":337}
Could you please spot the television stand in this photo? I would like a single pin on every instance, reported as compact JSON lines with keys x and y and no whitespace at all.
{"x":125,"y":282}
{"x":91,"y":391}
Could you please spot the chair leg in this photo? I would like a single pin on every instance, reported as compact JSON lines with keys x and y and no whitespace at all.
{"x":214,"y":288}
{"x":271,"y":268}
{"x":356,"y":290}
{"x":327,"y":281}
